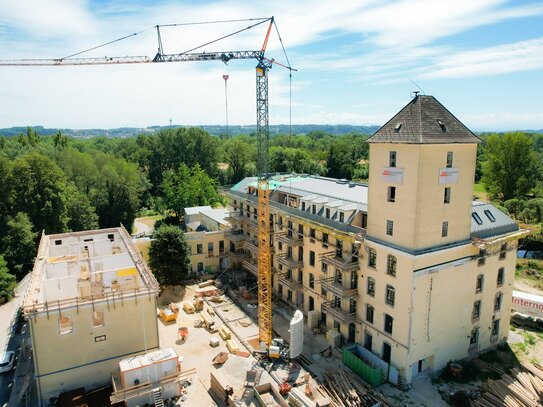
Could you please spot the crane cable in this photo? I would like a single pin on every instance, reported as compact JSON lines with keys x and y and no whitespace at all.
{"x":108,"y":43}
{"x":290,"y":69}
{"x":225,"y":36}
{"x":261,"y":20}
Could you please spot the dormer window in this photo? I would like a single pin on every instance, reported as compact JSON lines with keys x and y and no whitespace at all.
{"x":442,"y":125}
{"x":303,"y":206}
{"x":398,"y":127}
{"x":341,"y":217}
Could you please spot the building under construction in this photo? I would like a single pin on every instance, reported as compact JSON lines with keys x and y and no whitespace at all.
{"x":408,"y":268}
{"x":91,"y":302}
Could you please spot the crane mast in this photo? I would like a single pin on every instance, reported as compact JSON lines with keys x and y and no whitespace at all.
{"x":262,"y":132}
{"x":264,"y":251}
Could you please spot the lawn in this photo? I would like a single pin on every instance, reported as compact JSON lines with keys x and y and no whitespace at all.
{"x":479,"y":191}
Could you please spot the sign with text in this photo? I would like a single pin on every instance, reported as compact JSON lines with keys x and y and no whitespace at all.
{"x":448,"y":175}
{"x":392,"y":174}
{"x":527,"y":303}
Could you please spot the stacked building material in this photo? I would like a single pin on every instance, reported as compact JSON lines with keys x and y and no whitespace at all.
{"x":517,"y":389}
{"x":225,"y":332}
{"x":220,"y":388}
{"x":345,"y":389}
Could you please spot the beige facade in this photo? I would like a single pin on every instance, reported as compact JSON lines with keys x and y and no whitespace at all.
{"x":407,"y":267}
{"x":206,"y":230}
{"x":91,"y":302}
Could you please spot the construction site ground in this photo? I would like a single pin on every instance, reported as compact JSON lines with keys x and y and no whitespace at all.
{"x":196,"y":352}
{"x":238,"y":313}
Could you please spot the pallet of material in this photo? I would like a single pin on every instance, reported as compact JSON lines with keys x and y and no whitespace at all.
{"x":188,"y":308}
{"x":345,"y":389}
{"x":225,"y":332}
{"x":518,"y":388}
{"x":232,"y":347}
{"x":210,"y":291}
{"x":206,"y":284}
{"x":210,"y":310}
{"x":221,"y":388}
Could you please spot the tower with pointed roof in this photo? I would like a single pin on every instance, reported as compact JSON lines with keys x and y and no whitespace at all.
{"x":422,"y":166}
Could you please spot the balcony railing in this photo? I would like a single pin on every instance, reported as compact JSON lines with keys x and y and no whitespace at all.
{"x":350,"y":263}
{"x":289,"y":282}
{"x":250,"y":265}
{"x":338,"y":313}
{"x":235,"y":235}
{"x":289,"y":262}
{"x":293,"y":240}
{"x":235,"y":217}
{"x":337,"y":288}
{"x":238,"y":255}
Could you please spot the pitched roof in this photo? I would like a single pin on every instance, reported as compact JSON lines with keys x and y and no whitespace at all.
{"x":488,"y":221}
{"x":424,"y":121}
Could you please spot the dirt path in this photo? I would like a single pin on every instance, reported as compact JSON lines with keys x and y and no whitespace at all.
{"x":145,"y":225}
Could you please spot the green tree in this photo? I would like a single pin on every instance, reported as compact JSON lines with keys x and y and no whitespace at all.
{"x":5,"y":190}
{"x":81,"y":214}
{"x":189,"y":187}
{"x":39,"y":189}
{"x":32,"y":136}
{"x":169,"y":255}
{"x":60,"y":140}
{"x":236,"y":154}
{"x":7,"y":282}
{"x":510,"y":169}
{"x":116,"y":191}
{"x":19,"y":245}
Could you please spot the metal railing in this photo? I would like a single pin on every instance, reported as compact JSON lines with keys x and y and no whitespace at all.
{"x":293,"y":240}
{"x":349,"y":264}
{"x":289,"y":262}
{"x":338,"y":313}
{"x":289,"y":282}
{"x":338,"y":289}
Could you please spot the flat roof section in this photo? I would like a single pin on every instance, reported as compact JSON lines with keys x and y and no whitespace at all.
{"x":78,"y":267}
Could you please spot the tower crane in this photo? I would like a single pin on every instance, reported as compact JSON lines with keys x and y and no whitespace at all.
{"x":262,"y":132}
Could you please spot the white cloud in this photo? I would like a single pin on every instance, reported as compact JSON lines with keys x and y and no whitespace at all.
{"x":504,"y":120}
{"x":516,"y":57}
{"x":388,"y":42}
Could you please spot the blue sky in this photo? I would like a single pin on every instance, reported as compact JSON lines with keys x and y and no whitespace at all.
{"x":356,"y":61}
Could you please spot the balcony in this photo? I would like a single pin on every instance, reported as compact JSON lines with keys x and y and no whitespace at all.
{"x":293,"y":240}
{"x":238,"y":255}
{"x":289,"y":282}
{"x":250,"y":265}
{"x":289,"y":262}
{"x":340,"y":263}
{"x":235,"y":217}
{"x":337,"y":288}
{"x":235,"y":235}
{"x":338,"y":314}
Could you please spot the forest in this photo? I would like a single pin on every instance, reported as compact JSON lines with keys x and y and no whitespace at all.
{"x":56,"y":183}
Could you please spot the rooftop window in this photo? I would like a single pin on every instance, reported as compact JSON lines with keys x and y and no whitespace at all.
{"x":477,"y":218}
{"x":490,"y":216}
{"x":442,"y":125}
{"x":398,"y":127}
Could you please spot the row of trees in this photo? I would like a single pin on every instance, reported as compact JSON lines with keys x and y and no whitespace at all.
{"x":57,"y":184}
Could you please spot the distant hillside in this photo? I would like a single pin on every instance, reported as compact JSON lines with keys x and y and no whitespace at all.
{"x":337,"y":129}
{"x":334,"y":129}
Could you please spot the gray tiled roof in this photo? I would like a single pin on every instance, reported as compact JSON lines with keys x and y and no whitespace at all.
{"x":488,"y":221}
{"x":424,"y":121}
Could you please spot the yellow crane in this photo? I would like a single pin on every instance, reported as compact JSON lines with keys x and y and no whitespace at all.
{"x":262,"y":131}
